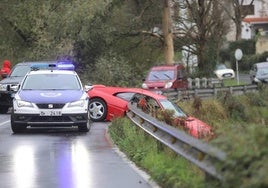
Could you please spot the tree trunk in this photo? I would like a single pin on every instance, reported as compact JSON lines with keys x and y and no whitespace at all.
{"x":168,"y":35}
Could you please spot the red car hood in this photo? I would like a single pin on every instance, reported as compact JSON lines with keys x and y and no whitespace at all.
{"x":156,"y":84}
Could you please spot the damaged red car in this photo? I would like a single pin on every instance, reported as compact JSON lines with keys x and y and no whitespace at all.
{"x":107,"y":103}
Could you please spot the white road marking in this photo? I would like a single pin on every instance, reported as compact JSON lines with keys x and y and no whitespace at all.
{"x":5,"y":122}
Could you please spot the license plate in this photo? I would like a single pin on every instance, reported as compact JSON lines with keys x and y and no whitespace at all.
{"x":227,"y":75}
{"x":50,"y":113}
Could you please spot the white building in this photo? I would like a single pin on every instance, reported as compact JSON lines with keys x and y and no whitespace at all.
{"x":256,"y":23}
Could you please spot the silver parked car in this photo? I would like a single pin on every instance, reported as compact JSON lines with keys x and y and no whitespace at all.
{"x":259,"y":73}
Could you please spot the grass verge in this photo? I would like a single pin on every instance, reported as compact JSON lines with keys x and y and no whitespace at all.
{"x":164,"y":166}
{"x":241,"y":128}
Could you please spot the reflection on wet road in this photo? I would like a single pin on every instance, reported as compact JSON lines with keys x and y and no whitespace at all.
{"x":63,"y":159}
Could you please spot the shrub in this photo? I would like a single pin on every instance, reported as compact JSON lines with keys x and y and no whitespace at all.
{"x":233,"y":106}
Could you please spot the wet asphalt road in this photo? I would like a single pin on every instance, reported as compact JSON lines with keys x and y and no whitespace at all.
{"x":64,"y":158}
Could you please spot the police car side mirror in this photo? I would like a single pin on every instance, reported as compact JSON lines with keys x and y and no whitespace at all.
{"x":14,"y":88}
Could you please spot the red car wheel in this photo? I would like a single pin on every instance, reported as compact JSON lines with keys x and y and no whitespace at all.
{"x":97,"y":109}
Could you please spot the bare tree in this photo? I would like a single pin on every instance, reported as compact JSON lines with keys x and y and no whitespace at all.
{"x":202,"y":27}
{"x":235,"y":10}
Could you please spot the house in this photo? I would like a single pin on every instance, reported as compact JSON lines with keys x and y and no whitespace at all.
{"x":255,"y":25}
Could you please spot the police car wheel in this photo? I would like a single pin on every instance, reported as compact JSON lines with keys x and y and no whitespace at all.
{"x":85,"y":127}
{"x":15,"y":127}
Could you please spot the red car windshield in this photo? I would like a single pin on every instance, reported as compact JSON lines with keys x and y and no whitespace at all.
{"x":161,"y":75}
{"x":168,"y":105}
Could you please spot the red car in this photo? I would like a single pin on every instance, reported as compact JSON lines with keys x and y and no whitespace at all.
{"x":108,"y":102}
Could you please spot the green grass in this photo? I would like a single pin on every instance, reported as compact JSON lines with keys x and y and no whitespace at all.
{"x":232,"y":82}
{"x":165,"y":167}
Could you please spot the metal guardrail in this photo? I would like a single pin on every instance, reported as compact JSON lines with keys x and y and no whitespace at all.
{"x":198,"y":152}
{"x":208,"y":92}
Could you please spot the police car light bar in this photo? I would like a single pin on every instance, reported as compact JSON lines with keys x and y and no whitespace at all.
{"x":65,"y":65}
{"x":59,"y":65}
{"x":38,"y":66}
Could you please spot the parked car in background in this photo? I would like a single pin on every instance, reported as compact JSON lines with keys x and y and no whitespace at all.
{"x":50,"y":98}
{"x":166,"y":77}
{"x":106,"y":103}
{"x":259,"y":73}
{"x":17,"y":74}
{"x":222,"y":72}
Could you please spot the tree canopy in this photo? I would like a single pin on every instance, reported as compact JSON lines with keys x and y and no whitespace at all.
{"x":100,"y":35}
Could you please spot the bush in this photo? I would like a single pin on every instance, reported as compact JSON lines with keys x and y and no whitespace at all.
{"x":114,"y":70}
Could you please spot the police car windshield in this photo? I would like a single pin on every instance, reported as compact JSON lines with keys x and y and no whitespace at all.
{"x":51,"y":82}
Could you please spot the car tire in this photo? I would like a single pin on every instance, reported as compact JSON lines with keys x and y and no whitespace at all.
{"x":15,"y":127}
{"x":3,"y":109}
{"x":85,"y":127}
{"x":97,"y":109}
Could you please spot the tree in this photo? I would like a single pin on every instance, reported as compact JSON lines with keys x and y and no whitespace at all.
{"x":234,"y":8}
{"x":44,"y":29}
{"x":201,"y":25}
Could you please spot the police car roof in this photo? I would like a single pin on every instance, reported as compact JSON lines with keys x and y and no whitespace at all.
{"x":56,"y":71}
{"x":61,"y":65}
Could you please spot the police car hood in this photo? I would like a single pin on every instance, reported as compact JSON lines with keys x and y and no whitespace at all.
{"x":50,"y":96}
{"x":12,"y":80}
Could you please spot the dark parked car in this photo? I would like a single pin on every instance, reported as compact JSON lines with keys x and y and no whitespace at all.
{"x":259,"y":73}
{"x":16,"y":76}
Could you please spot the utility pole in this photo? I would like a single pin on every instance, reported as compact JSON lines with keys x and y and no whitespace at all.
{"x":168,"y":34}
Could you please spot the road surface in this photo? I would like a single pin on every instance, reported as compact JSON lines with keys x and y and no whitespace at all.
{"x":64,"y":158}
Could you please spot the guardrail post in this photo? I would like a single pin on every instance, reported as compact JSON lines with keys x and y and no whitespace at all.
{"x":231,"y":90}
{"x":215,"y":91}
{"x":195,"y":92}
{"x":204,"y":82}
{"x":210,"y":84}
{"x":190,"y":83}
{"x":197,"y":82}
{"x":245,"y":89}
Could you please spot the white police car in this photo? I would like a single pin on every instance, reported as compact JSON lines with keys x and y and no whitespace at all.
{"x":50,"y":98}
{"x":17,"y":74}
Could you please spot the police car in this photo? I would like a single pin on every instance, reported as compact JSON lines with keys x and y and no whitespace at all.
{"x":9,"y":84}
{"x":50,"y":98}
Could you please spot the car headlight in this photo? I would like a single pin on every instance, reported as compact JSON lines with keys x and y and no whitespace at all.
{"x":79,"y":103}
{"x":168,"y":85}
{"x":144,"y":86}
{"x":21,"y":103}
{"x":3,"y":87}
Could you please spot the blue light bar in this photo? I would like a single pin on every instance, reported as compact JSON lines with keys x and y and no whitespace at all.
{"x":38,"y":66}
{"x":65,"y":65}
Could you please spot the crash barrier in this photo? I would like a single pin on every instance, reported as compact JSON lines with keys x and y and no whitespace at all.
{"x":204,"y":93}
{"x":196,"y":151}
{"x":204,"y":83}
